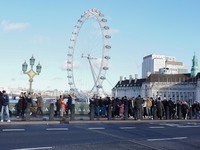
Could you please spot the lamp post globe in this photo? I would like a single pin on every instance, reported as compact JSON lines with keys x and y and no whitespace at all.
{"x":24,"y":67}
{"x":31,"y":73}
{"x":38,"y":68}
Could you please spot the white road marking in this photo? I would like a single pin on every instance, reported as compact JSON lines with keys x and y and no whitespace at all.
{"x":156,"y":127}
{"x":10,"y":130}
{"x":188,"y":126}
{"x":167,"y":139}
{"x":57,"y":129}
{"x":36,"y":148}
{"x":170,"y":124}
{"x":124,"y":128}
{"x":100,"y":128}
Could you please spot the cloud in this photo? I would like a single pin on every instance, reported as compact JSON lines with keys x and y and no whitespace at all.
{"x":7,"y":26}
{"x":76,"y":65}
{"x":39,"y":39}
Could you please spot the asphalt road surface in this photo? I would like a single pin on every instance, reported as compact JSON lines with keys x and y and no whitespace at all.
{"x":118,"y":136}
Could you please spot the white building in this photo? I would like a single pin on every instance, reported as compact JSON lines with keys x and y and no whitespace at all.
{"x":185,"y":86}
{"x":128,"y":87}
{"x":174,"y":86}
{"x":161,"y":64}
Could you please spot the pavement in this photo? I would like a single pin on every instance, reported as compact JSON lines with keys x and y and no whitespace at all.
{"x":81,"y":119}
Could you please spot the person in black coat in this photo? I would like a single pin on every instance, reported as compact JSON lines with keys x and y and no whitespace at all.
{"x":5,"y":107}
{"x":69,"y":105}
{"x":138,"y":107}
{"x":184,"y":109}
{"x":1,"y":100}
{"x":160,"y":108}
{"x":171,"y":106}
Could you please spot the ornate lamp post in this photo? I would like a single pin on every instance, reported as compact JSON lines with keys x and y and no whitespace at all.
{"x":31,"y":73}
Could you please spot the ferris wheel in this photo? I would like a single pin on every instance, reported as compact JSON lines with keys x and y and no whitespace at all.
{"x":88,"y":54}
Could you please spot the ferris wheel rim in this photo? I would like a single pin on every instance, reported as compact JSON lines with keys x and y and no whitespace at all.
{"x":91,"y":13}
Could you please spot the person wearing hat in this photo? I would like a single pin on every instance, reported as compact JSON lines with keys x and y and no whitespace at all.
{"x":5,"y":104}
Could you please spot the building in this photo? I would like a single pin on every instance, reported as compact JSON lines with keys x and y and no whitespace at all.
{"x":128,"y":87}
{"x":174,"y":86}
{"x":184,"y":86}
{"x":161,"y":64}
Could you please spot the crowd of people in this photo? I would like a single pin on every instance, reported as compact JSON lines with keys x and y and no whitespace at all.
{"x":149,"y":108}
{"x":26,"y":101}
{"x":64,"y":105}
{"x":136,"y":107}
{"x":21,"y":105}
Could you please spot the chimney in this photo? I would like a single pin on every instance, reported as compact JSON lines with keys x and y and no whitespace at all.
{"x":130,"y":78}
{"x":120,"y":81}
{"x":136,"y":77}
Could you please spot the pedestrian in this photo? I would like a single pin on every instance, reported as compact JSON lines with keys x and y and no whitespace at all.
{"x":69,"y":105}
{"x":185,"y":109}
{"x":144,"y":105}
{"x":171,"y":108}
{"x":57,"y":108}
{"x":39,"y":104}
{"x":18,"y":107}
{"x":138,"y":107}
{"x":148,"y":108}
{"x":62,"y":106}
{"x":160,"y":108}
{"x":115,"y":102}
{"x":5,"y":108}
{"x":1,"y":101}
{"x":96,"y":105}
{"x":101,"y":107}
{"x":29,"y":99}
{"x":130,"y":107}
{"x":22,"y":104}
{"x":121,"y":108}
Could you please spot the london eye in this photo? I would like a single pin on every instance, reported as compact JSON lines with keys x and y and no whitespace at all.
{"x":88,"y":54}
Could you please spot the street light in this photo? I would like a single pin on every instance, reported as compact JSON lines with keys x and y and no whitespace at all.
{"x":31,"y":73}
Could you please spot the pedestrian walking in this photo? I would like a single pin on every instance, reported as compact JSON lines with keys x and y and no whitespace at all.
{"x":39,"y":105}
{"x":5,"y":107}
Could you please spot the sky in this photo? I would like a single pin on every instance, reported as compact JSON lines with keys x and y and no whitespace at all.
{"x":43,"y":28}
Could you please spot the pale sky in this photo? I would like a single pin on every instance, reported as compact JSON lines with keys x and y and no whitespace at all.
{"x":43,"y":28}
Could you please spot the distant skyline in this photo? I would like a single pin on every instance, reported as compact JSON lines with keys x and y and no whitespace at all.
{"x":138,"y":28}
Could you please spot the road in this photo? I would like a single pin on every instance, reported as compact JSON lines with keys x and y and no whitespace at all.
{"x":98,"y":136}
